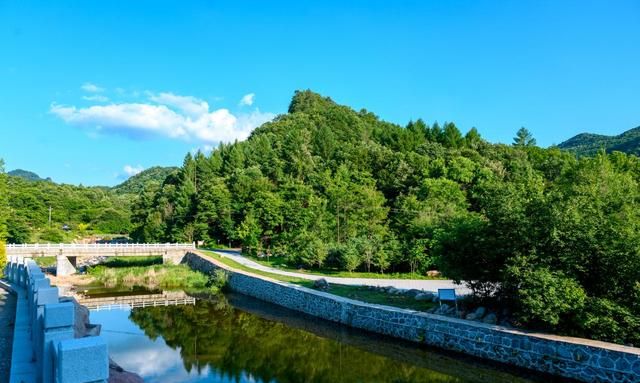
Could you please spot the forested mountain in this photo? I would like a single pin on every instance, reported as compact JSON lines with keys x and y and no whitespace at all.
{"x":537,"y":229}
{"x":83,"y":209}
{"x":149,"y":178}
{"x":79,"y":210}
{"x":27,"y":175}
{"x":587,"y":144}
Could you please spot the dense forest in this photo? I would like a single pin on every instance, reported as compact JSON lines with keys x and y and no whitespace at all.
{"x":149,"y":178}
{"x":4,"y":214}
{"x":553,"y":237}
{"x":588,"y":144}
{"x":76,"y":211}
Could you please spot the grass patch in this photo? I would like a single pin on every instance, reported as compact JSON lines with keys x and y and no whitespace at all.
{"x":45,"y":261}
{"x":133,"y":261}
{"x":365,"y":294}
{"x":279,"y":263}
{"x":231,"y":263}
{"x":360,"y":293}
{"x":157,"y":276}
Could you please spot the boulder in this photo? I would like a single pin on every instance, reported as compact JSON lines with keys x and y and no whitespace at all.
{"x":433,"y":273}
{"x":480,"y":312}
{"x":443,"y":309}
{"x":471,"y":316}
{"x":423,"y":296}
{"x":321,"y":284}
{"x":491,"y":318}
{"x":118,"y":375}
{"x":392,"y":290}
{"x":412,"y":292}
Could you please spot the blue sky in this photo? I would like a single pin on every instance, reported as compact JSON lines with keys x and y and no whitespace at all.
{"x":92,"y":91}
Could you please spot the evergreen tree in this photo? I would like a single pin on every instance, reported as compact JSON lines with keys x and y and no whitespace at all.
{"x":524,"y":138}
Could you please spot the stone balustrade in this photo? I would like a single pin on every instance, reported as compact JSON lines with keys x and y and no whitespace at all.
{"x":67,"y":254}
{"x":44,"y":349}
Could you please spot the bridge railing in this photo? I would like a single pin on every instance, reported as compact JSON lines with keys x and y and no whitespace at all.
{"x":44,"y":333}
{"x":97,"y":246}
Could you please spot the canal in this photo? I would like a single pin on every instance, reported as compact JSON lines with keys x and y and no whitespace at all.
{"x":234,"y":338}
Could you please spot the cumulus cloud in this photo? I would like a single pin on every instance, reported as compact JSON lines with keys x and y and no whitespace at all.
{"x":91,"y":88}
{"x":132,"y":170}
{"x":165,"y":114}
{"x":247,"y":99}
{"x":189,"y":105}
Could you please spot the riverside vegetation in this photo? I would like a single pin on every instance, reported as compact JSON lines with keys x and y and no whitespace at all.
{"x":146,"y":272}
{"x":552,"y":237}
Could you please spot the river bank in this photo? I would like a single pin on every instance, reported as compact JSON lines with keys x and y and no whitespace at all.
{"x":573,"y":358}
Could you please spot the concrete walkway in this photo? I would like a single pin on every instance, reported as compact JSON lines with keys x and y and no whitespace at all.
{"x":7,"y":319}
{"x":23,"y":366}
{"x":420,"y":284}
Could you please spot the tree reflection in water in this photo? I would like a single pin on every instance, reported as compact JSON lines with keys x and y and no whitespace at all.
{"x":236,"y":343}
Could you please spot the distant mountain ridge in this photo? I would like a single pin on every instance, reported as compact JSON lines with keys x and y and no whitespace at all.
{"x":586,"y":144}
{"x":154,"y":175}
{"x":27,"y":175}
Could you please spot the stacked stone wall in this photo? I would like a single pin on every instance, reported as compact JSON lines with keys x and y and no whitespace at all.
{"x":581,"y":359}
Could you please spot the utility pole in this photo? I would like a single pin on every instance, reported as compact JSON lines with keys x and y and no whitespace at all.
{"x":49,"y":216}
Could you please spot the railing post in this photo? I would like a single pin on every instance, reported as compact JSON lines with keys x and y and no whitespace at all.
{"x":46,"y":295}
{"x":22,"y":274}
{"x":58,"y":325}
{"x":37,"y":285}
{"x":82,"y":360}
{"x":10,"y":269}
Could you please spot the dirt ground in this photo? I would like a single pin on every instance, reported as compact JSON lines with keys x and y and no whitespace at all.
{"x":71,"y":280}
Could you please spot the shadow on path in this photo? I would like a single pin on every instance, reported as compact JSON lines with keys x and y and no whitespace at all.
{"x":7,"y":319}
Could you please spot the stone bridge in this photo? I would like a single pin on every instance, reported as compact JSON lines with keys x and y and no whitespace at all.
{"x":67,"y":254}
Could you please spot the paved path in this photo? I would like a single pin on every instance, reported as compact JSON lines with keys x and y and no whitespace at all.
{"x":7,"y":319}
{"x":420,"y":284}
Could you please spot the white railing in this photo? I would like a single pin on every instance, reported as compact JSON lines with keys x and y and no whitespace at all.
{"x":133,"y":305}
{"x":99,"y":246}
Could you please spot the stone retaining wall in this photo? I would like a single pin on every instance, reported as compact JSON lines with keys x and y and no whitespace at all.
{"x":581,"y":359}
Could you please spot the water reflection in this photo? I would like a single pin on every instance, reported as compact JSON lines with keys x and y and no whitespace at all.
{"x":244,"y":340}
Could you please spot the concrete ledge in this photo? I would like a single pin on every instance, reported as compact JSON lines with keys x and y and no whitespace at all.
{"x":82,"y":360}
{"x":576,"y":358}
{"x":42,"y":323}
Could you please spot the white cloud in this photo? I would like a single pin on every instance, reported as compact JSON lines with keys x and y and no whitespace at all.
{"x":132,"y":170}
{"x":91,"y":88}
{"x":247,"y":99}
{"x":167,"y":115}
{"x":96,"y":97}
{"x":189,"y":105}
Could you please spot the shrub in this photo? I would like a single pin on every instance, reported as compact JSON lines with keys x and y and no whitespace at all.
{"x":603,"y":319}
{"x":52,"y":235}
{"x":3,"y":258}
{"x":543,"y":297}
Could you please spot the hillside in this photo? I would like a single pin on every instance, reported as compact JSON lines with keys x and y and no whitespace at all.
{"x":325,"y":186}
{"x":27,"y":175}
{"x":149,"y":178}
{"x":587,"y":144}
{"x":85,"y":210}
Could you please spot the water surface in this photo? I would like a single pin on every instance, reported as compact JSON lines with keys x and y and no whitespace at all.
{"x":234,"y":338}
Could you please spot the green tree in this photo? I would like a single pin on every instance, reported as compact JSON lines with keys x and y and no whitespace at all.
{"x":524,"y":138}
{"x":4,"y":212}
